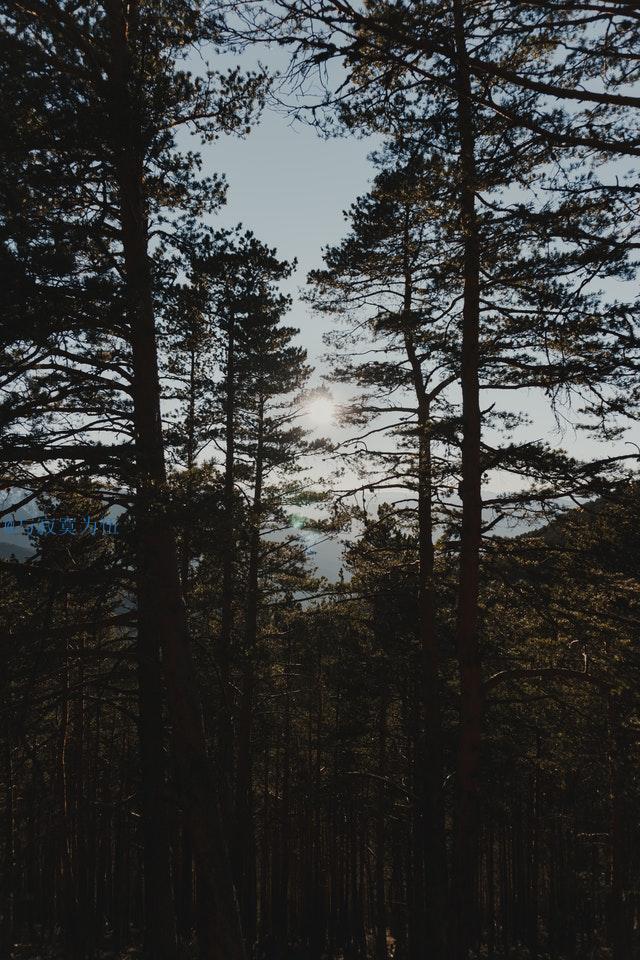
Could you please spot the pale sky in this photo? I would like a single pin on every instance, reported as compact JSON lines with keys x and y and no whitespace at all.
{"x":290,"y":186}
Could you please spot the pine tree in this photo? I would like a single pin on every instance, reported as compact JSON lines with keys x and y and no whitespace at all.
{"x":111,"y":91}
{"x":259,"y":395}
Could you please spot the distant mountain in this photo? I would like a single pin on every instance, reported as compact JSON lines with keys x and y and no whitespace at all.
{"x":10,"y":549}
{"x":561,"y":530}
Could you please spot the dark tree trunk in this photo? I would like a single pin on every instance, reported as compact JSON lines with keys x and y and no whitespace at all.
{"x":380,"y":849}
{"x":245,"y":847}
{"x":120,"y":876}
{"x":184,"y":885}
{"x":535,"y":855}
{"x":154,"y":576}
{"x":160,"y":929}
{"x":225,"y":712}
{"x":619,"y":925}
{"x":161,"y":613}
{"x":8,"y":877}
{"x":282,"y":847}
{"x":432,"y":858}
{"x":464,"y":905}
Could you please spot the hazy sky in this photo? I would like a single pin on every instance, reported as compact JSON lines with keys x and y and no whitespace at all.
{"x":290,"y":187}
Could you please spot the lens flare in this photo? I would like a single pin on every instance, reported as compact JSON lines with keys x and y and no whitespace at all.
{"x":321,"y":410}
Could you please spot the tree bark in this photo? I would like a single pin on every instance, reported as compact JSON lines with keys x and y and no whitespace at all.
{"x":225,"y":719}
{"x":380,"y":836}
{"x":619,"y":924}
{"x":244,"y":847}
{"x":8,"y":877}
{"x":161,"y":613}
{"x":430,"y":762}
{"x":153,"y":573}
{"x":464,"y":906}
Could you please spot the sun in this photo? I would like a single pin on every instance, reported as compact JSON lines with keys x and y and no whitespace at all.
{"x":321,"y":409}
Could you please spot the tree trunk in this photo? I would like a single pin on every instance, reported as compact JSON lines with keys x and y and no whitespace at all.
{"x":380,"y":851}
{"x":184,"y":885}
{"x":225,"y":719}
{"x":244,"y":847}
{"x":431,"y":814}
{"x":619,"y":926}
{"x":8,"y":877}
{"x":282,"y":849}
{"x":161,"y":613}
{"x":463,"y":913}
{"x":160,"y":928}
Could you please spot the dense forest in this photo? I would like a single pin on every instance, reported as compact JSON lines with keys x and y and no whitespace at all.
{"x":208,"y":748}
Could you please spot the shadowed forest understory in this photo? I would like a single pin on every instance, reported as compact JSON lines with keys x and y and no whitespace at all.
{"x":210,"y":747}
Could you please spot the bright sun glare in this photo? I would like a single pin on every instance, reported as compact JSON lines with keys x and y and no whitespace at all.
{"x":322,"y":410}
